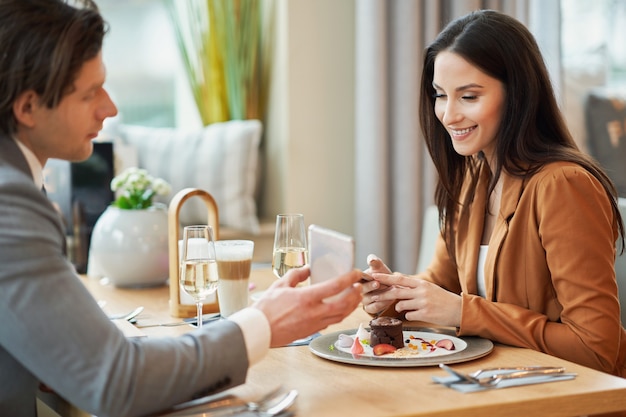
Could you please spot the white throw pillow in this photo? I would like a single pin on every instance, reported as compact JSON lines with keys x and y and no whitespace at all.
{"x":220,"y":158}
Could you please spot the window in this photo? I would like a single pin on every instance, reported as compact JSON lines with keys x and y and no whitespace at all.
{"x":594,"y":68}
{"x":593,"y":34}
{"x":144,"y":73}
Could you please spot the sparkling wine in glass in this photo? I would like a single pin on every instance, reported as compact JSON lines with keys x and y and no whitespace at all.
{"x":198,"y":265}
{"x":290,"y":244}
{"x":290,"y":249}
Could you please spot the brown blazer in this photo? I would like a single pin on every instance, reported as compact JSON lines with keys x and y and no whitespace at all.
{"x":550,"y":278}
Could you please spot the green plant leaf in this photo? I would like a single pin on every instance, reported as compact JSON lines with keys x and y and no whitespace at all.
{"x":220,"y":42}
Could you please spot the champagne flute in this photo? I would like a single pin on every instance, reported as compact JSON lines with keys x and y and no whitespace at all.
{"x":198,"y":265}
{"x":290,"y":250}
{"x":290,"y":244}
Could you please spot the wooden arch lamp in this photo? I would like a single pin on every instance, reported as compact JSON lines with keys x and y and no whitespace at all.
{"x":178,"y":307}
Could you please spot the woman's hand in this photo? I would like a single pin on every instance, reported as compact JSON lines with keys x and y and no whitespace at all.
{"x":419,"y":299}
{"x":372,"y":287}
{"x":297,"y":312}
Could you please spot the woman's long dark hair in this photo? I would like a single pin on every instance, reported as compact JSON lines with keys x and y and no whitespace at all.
{"x":532,"y":132}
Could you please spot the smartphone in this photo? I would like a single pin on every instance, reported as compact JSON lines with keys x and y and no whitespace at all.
{"x":331,"y":253}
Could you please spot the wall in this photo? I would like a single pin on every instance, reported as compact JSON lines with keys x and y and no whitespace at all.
{"x":310,"y":126}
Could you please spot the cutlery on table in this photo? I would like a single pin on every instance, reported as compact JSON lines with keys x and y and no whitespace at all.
{"x":494,"y":380}
{"x":190,"y":321}
{"x":510,"y":369}
{"x":173,"y":324}
{"x":275,"y":403}
{"x":462,"y":376}
{"x":507,"y":373}
{"x":127,"y":316}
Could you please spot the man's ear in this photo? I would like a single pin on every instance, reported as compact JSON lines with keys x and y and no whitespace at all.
{"x":24,"y":108}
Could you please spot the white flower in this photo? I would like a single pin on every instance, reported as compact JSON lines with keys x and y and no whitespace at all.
{"x":137,"y":188}
{"x":161,"y":187}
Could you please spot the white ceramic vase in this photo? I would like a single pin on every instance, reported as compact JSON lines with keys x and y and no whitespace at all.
{"x":130,"y":247}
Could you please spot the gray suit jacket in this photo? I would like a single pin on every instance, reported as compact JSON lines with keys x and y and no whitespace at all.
{"x":52,"y":330}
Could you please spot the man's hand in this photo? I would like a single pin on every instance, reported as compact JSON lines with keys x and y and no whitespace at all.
{"x":297,"y":312}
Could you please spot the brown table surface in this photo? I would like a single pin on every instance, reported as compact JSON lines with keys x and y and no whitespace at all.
{"x":329,"y":388}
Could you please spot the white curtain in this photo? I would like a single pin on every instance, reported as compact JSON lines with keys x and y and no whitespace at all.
{"x":394,"y":175}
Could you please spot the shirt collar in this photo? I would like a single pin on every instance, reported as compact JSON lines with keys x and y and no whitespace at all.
{"x":35,"y":166}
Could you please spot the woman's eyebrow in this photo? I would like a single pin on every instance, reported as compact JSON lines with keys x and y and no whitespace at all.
{"x":469,"y":87}
{"x":460,"y":88}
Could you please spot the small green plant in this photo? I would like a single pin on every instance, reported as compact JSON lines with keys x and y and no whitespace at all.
{"x":136,"y":189}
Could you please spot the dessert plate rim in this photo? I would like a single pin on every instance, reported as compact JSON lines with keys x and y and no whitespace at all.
{"x":324,"y":347}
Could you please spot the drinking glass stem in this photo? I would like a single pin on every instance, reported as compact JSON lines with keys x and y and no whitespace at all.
{"x":199,"y":306}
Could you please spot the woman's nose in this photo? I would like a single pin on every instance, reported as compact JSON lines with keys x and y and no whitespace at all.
{"x":451,"y":113}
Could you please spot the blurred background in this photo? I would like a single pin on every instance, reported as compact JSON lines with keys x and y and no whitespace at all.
{"x":338,"y":86}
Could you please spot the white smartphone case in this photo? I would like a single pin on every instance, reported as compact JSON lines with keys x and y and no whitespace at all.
{"x":331,"y":253}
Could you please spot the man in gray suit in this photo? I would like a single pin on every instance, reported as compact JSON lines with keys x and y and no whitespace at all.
{"x":52,"y":332}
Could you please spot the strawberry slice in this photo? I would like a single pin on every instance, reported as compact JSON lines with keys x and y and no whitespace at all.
{"x":383,"y":349}
{"x":446,"y":344}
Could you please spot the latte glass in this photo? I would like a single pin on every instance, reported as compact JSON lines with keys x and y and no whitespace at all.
{"x":234,"y":262}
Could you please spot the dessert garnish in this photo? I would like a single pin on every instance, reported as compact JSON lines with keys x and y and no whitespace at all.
{"x":383,"y":348}
{"x":446,"y":344}
{"x":345,"y":341}
{"x":432,"y":345}
{"x":357,"y":348}
{"x":362,"y":334}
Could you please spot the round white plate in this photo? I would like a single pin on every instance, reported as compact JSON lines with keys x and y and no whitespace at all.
{"x":466,"y":349}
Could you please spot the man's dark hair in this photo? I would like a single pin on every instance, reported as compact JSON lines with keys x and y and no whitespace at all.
{"x":43,"y":45}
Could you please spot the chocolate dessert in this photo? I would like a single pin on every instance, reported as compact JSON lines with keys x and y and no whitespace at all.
{"x":386,"y":330}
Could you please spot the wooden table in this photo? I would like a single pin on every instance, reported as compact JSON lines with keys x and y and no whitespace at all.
{"x":329,"y":388}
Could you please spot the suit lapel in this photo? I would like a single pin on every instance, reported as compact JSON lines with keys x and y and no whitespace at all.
{"x":11,"y":154}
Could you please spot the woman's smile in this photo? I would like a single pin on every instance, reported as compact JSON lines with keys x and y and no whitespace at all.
{"x":461,"y":133}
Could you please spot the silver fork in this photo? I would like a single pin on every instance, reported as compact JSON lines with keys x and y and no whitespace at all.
{"x":127,"y":316}
{"x":494,"y":379}
{"x":271,"y":404}
{"x":277,"y":408}
{"x":462,"y":376}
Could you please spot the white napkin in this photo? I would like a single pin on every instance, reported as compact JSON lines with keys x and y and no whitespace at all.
{"x":464,"y":386}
